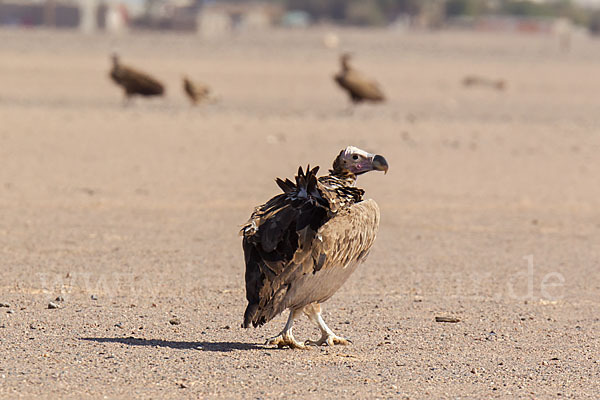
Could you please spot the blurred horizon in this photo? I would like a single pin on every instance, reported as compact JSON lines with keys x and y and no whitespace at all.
{"x":218,"y":16}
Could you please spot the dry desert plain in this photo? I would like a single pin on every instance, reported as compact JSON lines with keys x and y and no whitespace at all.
{"x":129,"y":215}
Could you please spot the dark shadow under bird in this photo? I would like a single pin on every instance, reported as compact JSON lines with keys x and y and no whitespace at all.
{"x":134,"y":82}
{"x":359,"y":87}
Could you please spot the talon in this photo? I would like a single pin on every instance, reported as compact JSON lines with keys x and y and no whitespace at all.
{"x":313,"y":343}
{"x":342,"y":341}
{"x":299,"y":346}
{"x":330,"y":340}
{"x":282,"y":341}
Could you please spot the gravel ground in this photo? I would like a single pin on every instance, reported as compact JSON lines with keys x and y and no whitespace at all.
{"x":127,"y":218}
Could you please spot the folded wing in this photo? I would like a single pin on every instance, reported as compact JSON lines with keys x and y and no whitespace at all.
{"x":301,"y":246}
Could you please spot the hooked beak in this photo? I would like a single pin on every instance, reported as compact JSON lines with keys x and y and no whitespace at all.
{"x":380,"y":164}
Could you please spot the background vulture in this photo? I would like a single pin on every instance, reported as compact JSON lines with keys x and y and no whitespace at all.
{"x":359,"y":87}
{"x":195,"y":91}
{"x":302,"y":245}
{"x":133,"y":81}
{"x":473,"y":80}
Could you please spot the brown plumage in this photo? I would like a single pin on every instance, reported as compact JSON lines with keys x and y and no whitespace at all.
{"x":195,"y":91}
{"x":134,"y":82}
{"x":359,"y":87}
{"x":302,"y":245}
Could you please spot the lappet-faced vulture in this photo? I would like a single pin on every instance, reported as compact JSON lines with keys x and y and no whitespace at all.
{"x":359,"y":87}
{"x":195,"y":91}
{"x":303,"y":244}
{"x":134,"y":82}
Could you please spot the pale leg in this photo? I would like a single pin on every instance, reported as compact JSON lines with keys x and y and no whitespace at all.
{"x":126,"y":100}
{"x":313,"y":312}
{"x":285,"y":338}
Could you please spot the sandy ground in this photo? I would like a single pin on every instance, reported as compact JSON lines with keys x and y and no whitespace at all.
{"x":489,"y":214}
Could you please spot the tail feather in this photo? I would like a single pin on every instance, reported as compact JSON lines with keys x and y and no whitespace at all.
{"x":250,"y":315}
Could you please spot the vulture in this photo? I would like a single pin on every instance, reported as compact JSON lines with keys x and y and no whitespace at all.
{"x":133,"y":81}
{"x":473,"y":80}
{"x":303,"y":244}
{"x":196,"y":91}
{"x":359,"y":87}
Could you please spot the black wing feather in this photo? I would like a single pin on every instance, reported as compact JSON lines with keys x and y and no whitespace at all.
{"x":272,"y":236}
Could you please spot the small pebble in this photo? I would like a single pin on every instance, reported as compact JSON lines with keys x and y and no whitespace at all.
{"x":52,"y":306}
{"x":175,"y":321}
{"x":94,"y":297}
{"x":59,"y":298}
{"x":4,"y":305}
{"x":119,"y":325}
{"x":10,"y":312}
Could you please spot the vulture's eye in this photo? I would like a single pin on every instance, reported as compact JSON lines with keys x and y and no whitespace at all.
{"x":355,"y":157}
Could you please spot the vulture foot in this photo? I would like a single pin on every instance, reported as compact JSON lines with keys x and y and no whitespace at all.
{"x":330,"y":340}
{"x":313,"y":312}
{"x":286,"y":339}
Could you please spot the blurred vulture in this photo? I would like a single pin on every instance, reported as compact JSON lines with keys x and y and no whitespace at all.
{"x":195,"y":91}
{"x":359,"y":87}
{"x":473,"y":80}
{"x":134,"y":82}
{"x":303,"y":244}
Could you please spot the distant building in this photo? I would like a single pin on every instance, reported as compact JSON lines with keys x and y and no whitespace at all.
{"x":296,"y":19}
{"x":208,"y":18}
{"x":217,"y":18}
{"x":203,"y":16}
{"x":541,"y":25}
{"x":85,"y":15}
{"x":49,"y":13}
{"x":176,"y":15}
